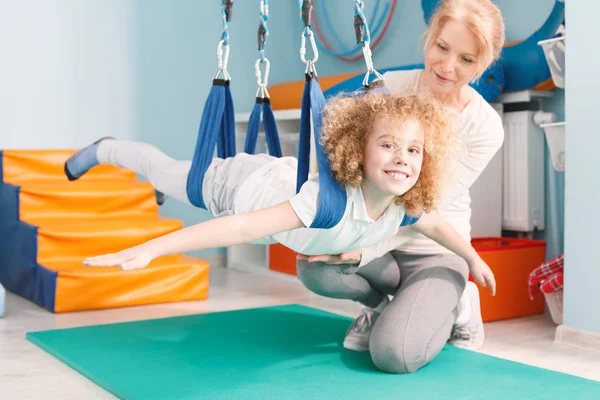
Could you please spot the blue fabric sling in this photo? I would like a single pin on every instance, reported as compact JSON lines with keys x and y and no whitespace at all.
{"x":217,"y":128}
{"x":332,"y":195}
{"x":263,"y":107}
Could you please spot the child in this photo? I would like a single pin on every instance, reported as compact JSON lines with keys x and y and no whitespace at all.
{"x":387,"y":151}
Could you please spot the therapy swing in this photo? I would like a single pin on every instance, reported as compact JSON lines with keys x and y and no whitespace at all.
{"x":217,"y":123}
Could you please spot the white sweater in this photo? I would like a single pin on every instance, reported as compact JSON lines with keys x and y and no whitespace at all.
{"x":481,"y":134}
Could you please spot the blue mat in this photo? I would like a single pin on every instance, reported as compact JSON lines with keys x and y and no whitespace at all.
{"x":285,"y":352}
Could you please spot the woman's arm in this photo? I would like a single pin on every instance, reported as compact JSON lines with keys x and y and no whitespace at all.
{"x":219,"y":232}
{"x":438,"y":229}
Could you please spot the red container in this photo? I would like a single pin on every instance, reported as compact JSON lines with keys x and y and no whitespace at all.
{"x":282,"y":259}
{"x":511,"y":260}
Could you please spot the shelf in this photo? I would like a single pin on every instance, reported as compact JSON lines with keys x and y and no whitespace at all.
{"x":523,"y":96}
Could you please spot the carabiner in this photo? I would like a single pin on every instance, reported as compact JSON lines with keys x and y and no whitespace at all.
{"x":313,"y":45}
{"x":222,"y":60}
{"x":262,"y":79}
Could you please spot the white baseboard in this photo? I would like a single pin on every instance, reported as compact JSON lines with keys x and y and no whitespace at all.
{"x":217,"y":260}
{"x":577,"y":338}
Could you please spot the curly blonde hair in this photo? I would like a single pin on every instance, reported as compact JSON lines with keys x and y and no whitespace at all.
{"x":347,"y":121}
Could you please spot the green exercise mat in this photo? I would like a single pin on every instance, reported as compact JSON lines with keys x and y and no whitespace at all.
{"x":284,"y":352}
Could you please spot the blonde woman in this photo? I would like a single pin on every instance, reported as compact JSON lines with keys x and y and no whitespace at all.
{"x":432,"y":301}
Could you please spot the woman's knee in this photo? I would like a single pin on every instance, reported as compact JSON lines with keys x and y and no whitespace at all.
{"x":396,"y":357}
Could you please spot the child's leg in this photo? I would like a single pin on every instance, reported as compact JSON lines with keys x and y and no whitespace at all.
{"x":415,"y":326}
{"x":368,"y":285}
{"x":163,"y":172}
{"x":166,"y":174}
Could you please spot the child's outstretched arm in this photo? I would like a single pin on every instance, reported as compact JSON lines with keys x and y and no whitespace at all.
{"x":436,"y":228}
{"x":219,"y":232}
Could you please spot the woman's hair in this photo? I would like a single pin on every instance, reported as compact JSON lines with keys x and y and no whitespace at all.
{"x":348,"y":120}
{"x":481,"y":17}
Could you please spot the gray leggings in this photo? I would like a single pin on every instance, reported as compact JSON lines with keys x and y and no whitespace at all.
{"x":417,"y":323}
{"x":163,"y":172}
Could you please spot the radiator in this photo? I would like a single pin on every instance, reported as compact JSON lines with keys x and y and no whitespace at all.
{"x":523,"y":173}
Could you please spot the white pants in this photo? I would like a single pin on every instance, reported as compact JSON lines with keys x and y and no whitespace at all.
{"x":221,"y":183}
{"x":164,"y":173}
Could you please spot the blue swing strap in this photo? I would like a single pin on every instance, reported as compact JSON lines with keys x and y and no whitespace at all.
{"x":262,"y":105}
{"x":409,"y":219}
{"x":332,"y":199}
{"x":217,"y":125}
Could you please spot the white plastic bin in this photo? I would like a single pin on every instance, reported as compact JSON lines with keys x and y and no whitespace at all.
{"x":555,"y":305}
{"x":555,"y":136}
{"x":554,"y":50}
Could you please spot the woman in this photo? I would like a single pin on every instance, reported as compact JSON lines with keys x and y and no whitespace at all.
{"x":430,"y":304}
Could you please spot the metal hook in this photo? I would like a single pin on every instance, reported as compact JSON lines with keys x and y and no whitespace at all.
{"x":262,"y":79}
{"x":313,"y":45}
{"x":369,"y":61}
{"x":222,"y":60}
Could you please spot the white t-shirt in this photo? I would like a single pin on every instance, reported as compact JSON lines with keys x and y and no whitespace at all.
{"x":275,"y":183}
{"x":481,"y":136}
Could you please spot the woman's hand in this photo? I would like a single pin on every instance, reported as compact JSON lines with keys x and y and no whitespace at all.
{"x":132,"y":258}
{"x":349,"y":257}
{"x":483,"y":274}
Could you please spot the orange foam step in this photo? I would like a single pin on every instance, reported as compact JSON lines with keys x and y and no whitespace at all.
{"x":82,"y":200}
{"x":167,"y":279}
{"x":58,"y":239}
{"x":19,"y":166}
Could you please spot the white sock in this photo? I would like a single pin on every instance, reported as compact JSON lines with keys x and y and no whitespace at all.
{"x":464,"y":310}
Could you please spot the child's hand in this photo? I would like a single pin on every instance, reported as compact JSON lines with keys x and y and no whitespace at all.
{"x":483,"y":274}
{"x":132,"y":258}
{"x":349,"y":257}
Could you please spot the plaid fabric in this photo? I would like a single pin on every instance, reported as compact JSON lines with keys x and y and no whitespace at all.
{"x":548,"y":277}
